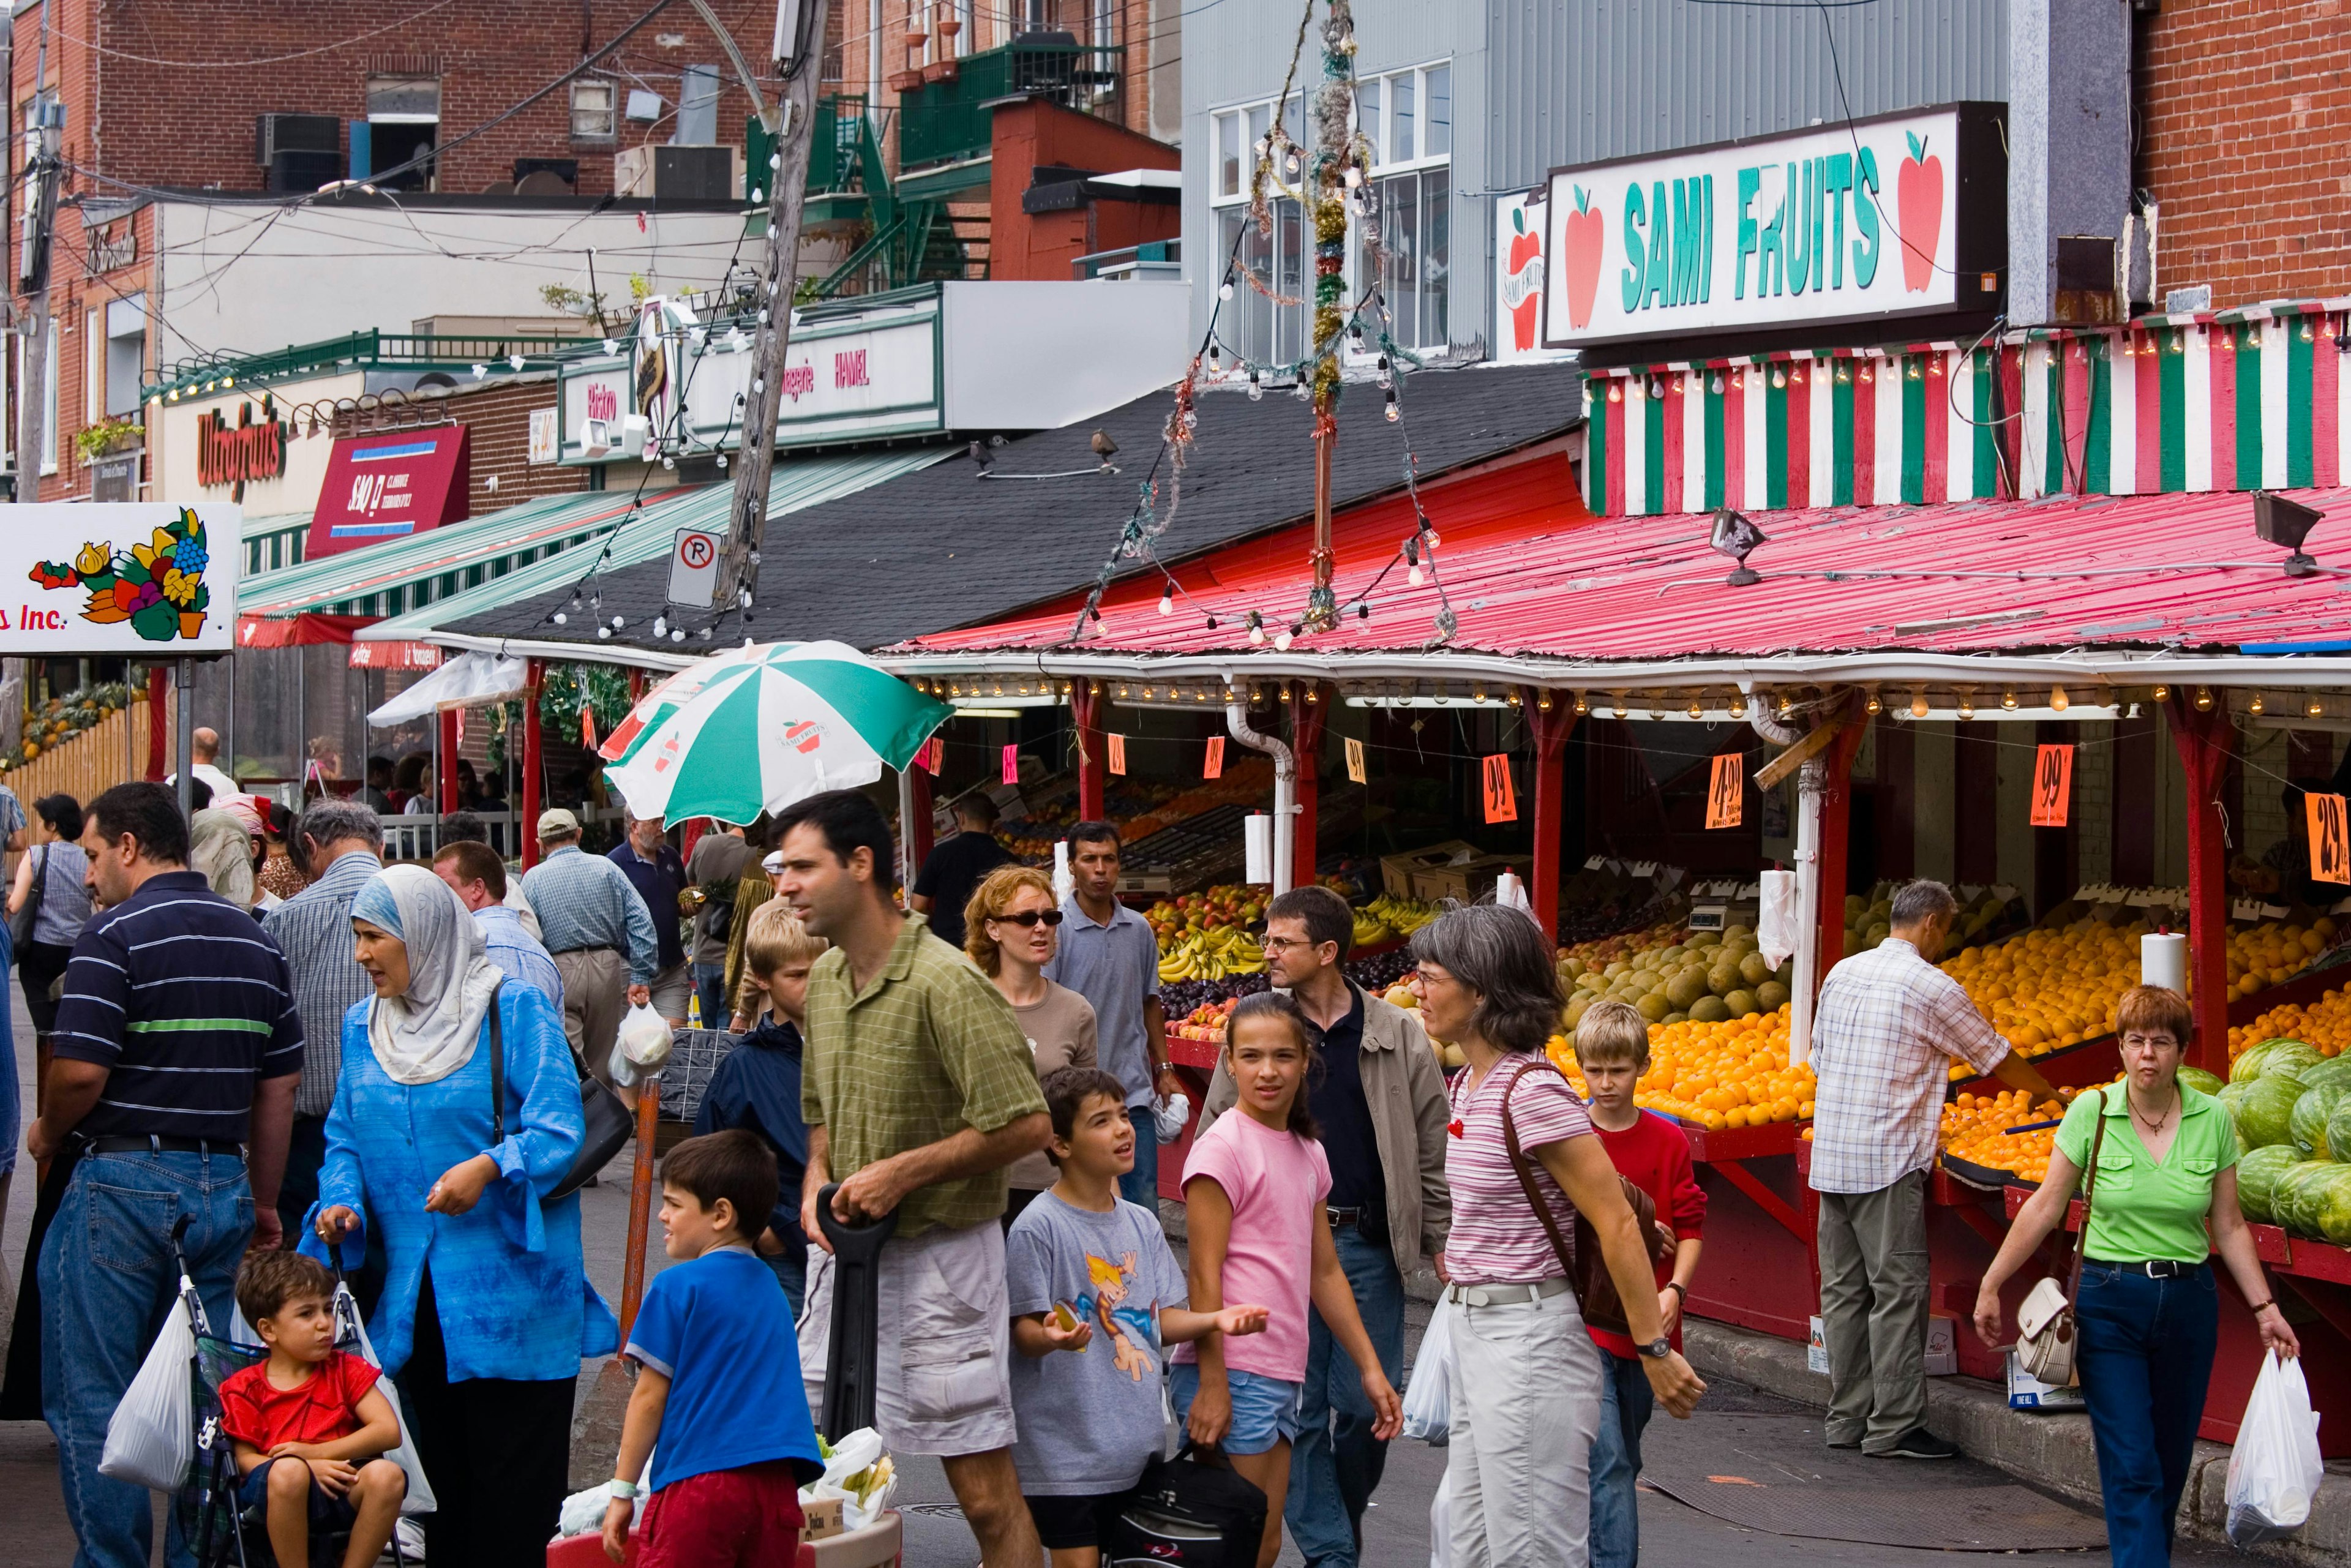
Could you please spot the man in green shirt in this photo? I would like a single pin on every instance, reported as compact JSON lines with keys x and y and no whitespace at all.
{"x":919,"y":1090}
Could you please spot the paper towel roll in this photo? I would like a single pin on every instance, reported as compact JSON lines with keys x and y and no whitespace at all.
{"x":1257,"y":838}
{"x":2163,"y":961}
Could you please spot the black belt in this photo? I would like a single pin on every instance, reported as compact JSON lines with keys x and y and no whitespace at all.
{"x":1368,"y":1215}
{"x":2154,"y":1268}
{"x":156,"y":1144}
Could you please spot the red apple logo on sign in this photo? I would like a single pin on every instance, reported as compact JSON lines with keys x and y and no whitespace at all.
{"x":1586,"y":237}
{"x":1918,"y":195}
{"x":1522,"y":281}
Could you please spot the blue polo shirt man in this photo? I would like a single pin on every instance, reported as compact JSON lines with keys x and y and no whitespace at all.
{"x":175,"y":1058}
{"x":1109,"y":956}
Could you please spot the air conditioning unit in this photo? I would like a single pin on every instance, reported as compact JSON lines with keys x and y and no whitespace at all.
{"x":299,"y":169}
{"x":275,"y":133}
{"x":679,"y":174}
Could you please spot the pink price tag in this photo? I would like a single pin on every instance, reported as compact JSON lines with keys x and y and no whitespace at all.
{"x":1012,"y":764}
{"x":1117,"y":753}
{"x":1214,"y":768}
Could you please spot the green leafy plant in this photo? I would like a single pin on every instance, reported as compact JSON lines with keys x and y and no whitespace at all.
{"x":93,"y":440}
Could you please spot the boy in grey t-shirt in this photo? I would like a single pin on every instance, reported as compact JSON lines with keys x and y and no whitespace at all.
{"x":1095,"y":1296}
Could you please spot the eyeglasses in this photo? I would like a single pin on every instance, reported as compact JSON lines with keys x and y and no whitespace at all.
{"x":1284,"y":944}
{"x":1028,"y":917}
{"x":2151,"y":1041}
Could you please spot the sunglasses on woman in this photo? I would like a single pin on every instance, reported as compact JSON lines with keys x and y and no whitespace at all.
{"x":1028,"y":917}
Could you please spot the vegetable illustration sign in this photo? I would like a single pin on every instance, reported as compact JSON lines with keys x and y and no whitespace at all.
{"x":142,"y":578}
{"x":1903,"y":215}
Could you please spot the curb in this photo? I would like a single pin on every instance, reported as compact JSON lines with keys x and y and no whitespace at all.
{"x":2053,"y":1450}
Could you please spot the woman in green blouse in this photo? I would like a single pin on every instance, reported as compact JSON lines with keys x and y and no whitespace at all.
{"x":2148,"y":1309}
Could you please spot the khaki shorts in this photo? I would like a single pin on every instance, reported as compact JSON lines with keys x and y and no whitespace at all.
{"x":943,"y":1386}
{"x":671,"y":988}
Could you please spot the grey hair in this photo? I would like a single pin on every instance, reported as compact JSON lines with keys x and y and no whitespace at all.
{"x":1920,"y":902}
{"x":222,"y":849}
{"x":1500,"y":955}
{"x":328,"y":821}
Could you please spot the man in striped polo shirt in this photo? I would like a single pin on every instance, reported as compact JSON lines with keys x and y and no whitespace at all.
{"x":172,"y":1082}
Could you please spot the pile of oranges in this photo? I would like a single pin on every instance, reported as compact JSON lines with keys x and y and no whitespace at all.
{"x":1733,"y":1074}
{"x":2324,"y":1026}
{"x":2263,"y":955}
{"x":2045,"y":990}
{"x":1975,"y":1129}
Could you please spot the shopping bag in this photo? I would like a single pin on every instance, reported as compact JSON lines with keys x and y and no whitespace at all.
{"x":351,"y":1331}
{"x":2274,"y":1470}
{"x":644,"y":1037}
{"x":1440,"y":1523}
{"x":1171,"y":1116}
{"x":1779,"y":918}
{"x":1427,"y":1394}
{"x":151,"y":1439}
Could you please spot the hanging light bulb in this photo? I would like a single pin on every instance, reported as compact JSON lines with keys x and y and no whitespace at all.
{"x":1167,"y":602}
{"x":1256,"y":389}
{"x":1967,"y":703}
{"x":1542,"y":702}
{"x":2256,"y":708}
{"x":1303,"y":389}
{"x":560,"y":618}
{"x":1257,"y":633}
{"x":1214,"y":366}
{"x":1918,"y":708}
{"x":1696,"y":704}
{"x":1582,"y":707}
{"x":1281,"y":645}
{"x":1872,"y":706}
{"x":1779,"y":376}
{"x":1617,"y":704}
{"x":1393,"y":413}
{"x":1787,"y":705}
{"x":1615,"y":392}
{"x":2058,"y":701}
{"x":2203,"y":699}
{"x":1416,"y":576}
{"x":1384,"y":377}
{"x":1478,"y":694}
{"x":2008,"y":698}
{"x":2313,"y":708}
{"x":1224,"y":289}
{"x":1737,"y":706}
{"x":1715,"y":384}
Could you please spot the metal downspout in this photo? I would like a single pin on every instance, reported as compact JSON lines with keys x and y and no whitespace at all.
{"x":1285,"y":785}
{"x":1812,"y":782}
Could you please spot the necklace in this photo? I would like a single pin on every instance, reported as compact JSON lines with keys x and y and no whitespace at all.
{"x":2156,"y":1125}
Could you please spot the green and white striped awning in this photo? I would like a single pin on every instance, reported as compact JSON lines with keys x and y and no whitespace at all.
{"x":795,"y":485}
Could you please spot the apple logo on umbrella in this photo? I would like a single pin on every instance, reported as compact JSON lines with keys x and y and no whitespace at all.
{"x":1918,"y":196}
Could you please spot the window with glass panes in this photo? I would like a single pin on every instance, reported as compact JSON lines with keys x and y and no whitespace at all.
{"x":1407,"y":117}
{"x":1250,"y":325}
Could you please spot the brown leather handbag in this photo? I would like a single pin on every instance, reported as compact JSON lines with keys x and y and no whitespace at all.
{"x":1587,"y":1270}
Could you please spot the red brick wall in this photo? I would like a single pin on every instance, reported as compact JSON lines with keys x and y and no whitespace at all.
{"x":497,"y":444}
{"x":1041,"y":246}
{"x":2246,"y":146}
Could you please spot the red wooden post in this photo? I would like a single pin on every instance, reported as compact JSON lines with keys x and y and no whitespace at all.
{"x":1086,"y":706}
{"x":1550,"y":721}
{"x":640,"y":1204}
{"x":448,"y":780}
{"x":159,"y":725}
{"x":1307,"y":719}
{"x":532,"y":767}
{"x":2205,"y":740}
{"x":1836,"y":821}
{"x":918,"y":830}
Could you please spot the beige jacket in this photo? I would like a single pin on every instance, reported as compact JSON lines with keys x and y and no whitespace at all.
{"x":1405,"y":1091}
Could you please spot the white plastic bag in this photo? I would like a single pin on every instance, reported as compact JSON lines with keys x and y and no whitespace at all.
{"x":419,"y":1498}
{"x":644,"y":1037}
{"x":150,"y":1440}
{"x":1428,"y":1393}
{"x":2274,"y":1470}
{"x":852,"y":1457}
{"x":1777,"y":920}
{"x":1170,"y":1116}
{"x":1440,"y":1523}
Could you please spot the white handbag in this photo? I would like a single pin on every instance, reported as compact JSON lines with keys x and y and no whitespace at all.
{"x":2044,"y":1321}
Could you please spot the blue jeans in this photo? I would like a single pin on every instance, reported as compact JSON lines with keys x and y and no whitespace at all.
{"x":2145,"y":1358}
{"x":1336,"y":1466}
{"x":710,"y":987}
{"x":792,"y":1274}
{"x":107,"y":1283}
{"x":1625,"y":1403}
{"x":1141,"y":1184}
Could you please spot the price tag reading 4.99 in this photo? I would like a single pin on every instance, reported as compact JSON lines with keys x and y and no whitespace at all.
{"x":1725,"y":790}
{"x":1501,"y":797}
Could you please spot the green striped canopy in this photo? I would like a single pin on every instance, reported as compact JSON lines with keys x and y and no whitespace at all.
{"x":755,"y":728}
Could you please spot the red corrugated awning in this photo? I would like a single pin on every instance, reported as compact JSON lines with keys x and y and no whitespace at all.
{"x":1527,"y":573}
{"x":299,"y":631}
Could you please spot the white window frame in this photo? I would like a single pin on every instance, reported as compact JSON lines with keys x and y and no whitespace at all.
{"x":53,"y":439}
{"x":612,"y":112}
{"x":1244,"y":123}
{"x":1376,"y":101}
{"x":93,"y":366}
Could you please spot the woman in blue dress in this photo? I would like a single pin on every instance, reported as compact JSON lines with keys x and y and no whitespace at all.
{"x":487,"y":1309}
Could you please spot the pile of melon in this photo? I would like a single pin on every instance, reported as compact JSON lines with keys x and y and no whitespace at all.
{"x":1706,"y":978}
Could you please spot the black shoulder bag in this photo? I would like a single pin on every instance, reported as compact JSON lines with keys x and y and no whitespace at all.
{"x":610,"y":1123}
{"x":20,"y":924}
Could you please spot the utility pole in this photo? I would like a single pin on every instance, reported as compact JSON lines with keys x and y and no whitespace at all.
{"x":42,"y":133}
{"x":799,"y":49}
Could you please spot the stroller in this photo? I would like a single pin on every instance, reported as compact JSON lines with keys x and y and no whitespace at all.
{"x":218,"y":1530}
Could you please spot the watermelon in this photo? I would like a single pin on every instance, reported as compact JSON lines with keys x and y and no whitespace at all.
{"x":2295,"y":1198}
{"x":2326,"y":1203}
{"x":2266,"y":1116}
{"x":2308,"y":1122}
{"x":2290,"y":1058}
{"x":2203,"y":1082}
{"x":2257,"y":1178}
{"x":2330,"y":1069}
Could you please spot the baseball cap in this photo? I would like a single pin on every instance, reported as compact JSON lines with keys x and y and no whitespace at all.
{"x":556,"y":820}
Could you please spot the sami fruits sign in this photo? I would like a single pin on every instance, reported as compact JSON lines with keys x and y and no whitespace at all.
{"x":1902,"y":214}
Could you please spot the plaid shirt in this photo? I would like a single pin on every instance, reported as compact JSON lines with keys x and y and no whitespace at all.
{"x":313,"y":928}
{"x":1886,"y":1027}
{"x":929,"y":1048}
{"x":585,"y":901}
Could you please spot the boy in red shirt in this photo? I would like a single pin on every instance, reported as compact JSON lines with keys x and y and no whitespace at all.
{"x":1612,"y":1046}
{"x":308,"y":1424}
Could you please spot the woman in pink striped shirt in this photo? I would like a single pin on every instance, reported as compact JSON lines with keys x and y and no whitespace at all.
{"x":1526,"y":1390}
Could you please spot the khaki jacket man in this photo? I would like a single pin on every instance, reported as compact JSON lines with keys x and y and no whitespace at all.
{"x":1405,"y":1091}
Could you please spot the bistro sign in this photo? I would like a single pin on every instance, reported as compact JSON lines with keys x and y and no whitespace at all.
{"x":1904,"y":215}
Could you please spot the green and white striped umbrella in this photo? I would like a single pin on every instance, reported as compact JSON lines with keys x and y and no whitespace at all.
{"x":757,"y":728}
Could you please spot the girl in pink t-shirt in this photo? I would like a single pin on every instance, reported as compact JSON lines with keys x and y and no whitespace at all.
{"x":1253,"y":1198}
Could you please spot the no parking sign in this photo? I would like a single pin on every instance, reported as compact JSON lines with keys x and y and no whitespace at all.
{"x":694,"y":569}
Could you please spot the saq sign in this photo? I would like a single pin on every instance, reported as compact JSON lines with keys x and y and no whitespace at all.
{"x":1903,"y":215}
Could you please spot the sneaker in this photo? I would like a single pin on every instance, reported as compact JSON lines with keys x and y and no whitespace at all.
{"x":1856,"y":1443}
{"x":410,"y":1537}
{"x":1918,"y":1444}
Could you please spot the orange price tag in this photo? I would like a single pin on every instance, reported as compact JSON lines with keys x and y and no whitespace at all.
{"x":2052,"y":786}
{"x":1213,"y":766}
{"x":587,"y":727}
{"x":2330,"y":838}
{"x":1117,"y":753}
{"x":935,"y":753}
{"x":1356,"y":772}
{"x":1012,"y":764}
{"x":1501,"y":796}
{"x":1725,"y":790}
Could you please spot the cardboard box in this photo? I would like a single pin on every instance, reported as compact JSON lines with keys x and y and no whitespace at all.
{"x":1942,"y":1346}
{"x":1816,"y":1349}
{"x":1397,"y":872}
{"x":1467,"y":881}
{"x":2026,"y":1392}
{"x":821,"y":1518}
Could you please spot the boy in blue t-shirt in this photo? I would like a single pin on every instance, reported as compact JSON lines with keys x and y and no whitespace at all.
{"x":718,"y":1400}
{"x":1090,"y":1277}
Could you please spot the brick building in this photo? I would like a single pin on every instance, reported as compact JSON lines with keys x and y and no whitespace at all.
{"x":2245,"y":145}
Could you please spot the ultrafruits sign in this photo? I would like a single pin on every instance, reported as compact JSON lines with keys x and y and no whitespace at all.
{"x":241,"y":452}
{"x":1904,"y":214}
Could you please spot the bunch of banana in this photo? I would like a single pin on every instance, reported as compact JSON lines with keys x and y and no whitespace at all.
{"x":1212,"y":956}
{"x":1402,"y":917}
{"x":1371,"y":929}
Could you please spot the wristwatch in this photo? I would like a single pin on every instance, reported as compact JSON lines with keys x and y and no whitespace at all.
{"x":1656,"y":1349}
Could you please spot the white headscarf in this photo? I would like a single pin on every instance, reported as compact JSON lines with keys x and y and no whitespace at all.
{"x":221,"y":849}
{"x":429,"y":1034}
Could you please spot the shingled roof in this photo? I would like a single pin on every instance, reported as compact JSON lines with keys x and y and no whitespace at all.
{"x":943,"y":548}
